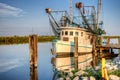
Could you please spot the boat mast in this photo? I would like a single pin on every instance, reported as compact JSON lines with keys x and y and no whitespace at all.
{"x":98,"y":12}
{"x":71,"y":12}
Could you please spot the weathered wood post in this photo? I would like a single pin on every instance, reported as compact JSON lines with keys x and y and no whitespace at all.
{"x":100,"y":43}
{"x":76,"y":53}
{"x":33,"y":50}
{"x":108,"y":40}
{"x":100,"y":40}
{"x":119,"y":44}
{"x":94,"y":51}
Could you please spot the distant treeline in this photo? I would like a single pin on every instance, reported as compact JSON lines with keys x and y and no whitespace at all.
{"x":23,"y":39}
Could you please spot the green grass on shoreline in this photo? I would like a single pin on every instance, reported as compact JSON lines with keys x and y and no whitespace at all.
{"x":7,"y":40}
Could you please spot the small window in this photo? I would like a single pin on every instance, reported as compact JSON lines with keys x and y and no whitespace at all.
{"x":91,"y":41}
{"x":66,"y":32}
{"x":71,"y":33}
{"x":62,"y":32}
{"x":81,"y":34}
{"x":76,"y":33}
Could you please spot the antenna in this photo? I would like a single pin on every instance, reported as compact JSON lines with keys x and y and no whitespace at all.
{"x":70,"y":12}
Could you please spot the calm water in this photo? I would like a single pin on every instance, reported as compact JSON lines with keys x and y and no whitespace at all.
{"x":14,"y":62}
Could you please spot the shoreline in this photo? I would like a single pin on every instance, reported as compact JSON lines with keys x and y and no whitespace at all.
{"x":7,"y":40}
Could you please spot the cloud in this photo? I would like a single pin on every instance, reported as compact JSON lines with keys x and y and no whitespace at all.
{"x":7,"y":10}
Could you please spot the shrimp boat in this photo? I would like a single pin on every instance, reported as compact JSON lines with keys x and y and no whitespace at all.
{"x":84,"y":27}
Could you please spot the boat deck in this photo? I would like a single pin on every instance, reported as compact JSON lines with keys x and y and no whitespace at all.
{"x":113,"y":46}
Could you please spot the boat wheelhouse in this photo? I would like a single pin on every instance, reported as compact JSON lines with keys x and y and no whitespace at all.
{"x":66,"y":42}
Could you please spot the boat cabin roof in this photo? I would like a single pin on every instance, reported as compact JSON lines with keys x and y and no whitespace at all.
{"x":75,"y":28}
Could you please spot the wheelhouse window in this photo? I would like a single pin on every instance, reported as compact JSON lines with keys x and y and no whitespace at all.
{"x":62,"y":32}
{"x":71,"y":33}
{"x":66,"y":32}
{"x":76,"y":33}
{"x":81,"y":34}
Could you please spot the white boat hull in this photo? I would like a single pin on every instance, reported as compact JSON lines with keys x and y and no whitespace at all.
{"x":64,"y":55}
{"x":67,"y":47}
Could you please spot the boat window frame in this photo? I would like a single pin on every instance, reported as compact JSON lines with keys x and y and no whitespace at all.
{"x":81,"y":34}
{"x":66,"y":33}
{"x":77,"y":33}
{"x":62,"y":32}
{"x":71,"y":33}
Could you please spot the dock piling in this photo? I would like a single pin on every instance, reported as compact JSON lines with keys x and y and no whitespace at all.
{"x":108,"y":40}
{"x":33,"y":50}
{"x":100,"y":39}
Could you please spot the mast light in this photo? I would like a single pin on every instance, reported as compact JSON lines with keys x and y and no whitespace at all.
{"x":48,"y":10}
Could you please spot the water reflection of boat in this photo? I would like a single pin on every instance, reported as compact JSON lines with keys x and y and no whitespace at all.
{"x":85,"y":27}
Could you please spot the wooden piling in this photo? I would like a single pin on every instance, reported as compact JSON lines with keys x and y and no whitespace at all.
{"x":101,"y":49}
{"x":33,"y":50}
{"x":100,"y":39}
{"x":108,"y":40}
{"x":76,"y":53}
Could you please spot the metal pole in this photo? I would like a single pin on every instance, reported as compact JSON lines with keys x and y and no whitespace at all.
{"x":70,"y":12}
{"x":98,"y":12}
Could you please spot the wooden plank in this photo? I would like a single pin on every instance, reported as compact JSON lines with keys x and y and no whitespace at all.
{"x":113,"y":46}
{"x":70,"y":54}
{"x":111,"y":37}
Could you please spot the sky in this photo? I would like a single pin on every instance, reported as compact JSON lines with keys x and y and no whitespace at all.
{"x":25,"y":17}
